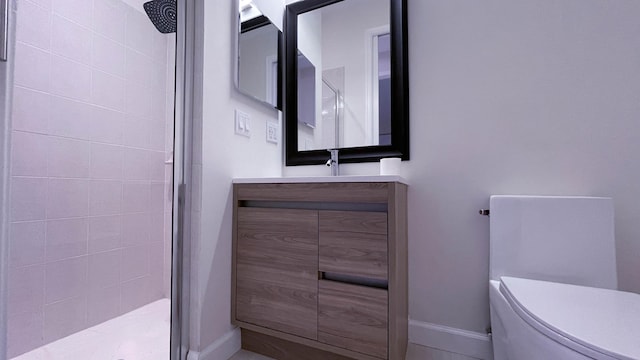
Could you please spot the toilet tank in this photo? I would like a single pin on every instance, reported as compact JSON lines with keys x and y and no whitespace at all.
{"x":566,"y":239}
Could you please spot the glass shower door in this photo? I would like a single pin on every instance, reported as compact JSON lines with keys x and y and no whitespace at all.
{"x":89,"y":225}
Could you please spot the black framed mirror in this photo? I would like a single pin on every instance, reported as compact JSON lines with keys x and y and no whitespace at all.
{"x":359,"y":91}
{"x":259,"y":63}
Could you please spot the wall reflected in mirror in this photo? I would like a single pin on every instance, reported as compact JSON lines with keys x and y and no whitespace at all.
{"x":348,"y":45}
{"x":258,"y":55}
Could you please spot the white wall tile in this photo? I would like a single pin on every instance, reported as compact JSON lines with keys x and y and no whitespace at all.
{"x":109,"y":19}
{"x":71,"y":40}
{"x":108,"y":91}
{"x":45,"y":4}
{"x":106,"y":125}
{"x":31,"y":110}
{"x":34,"y":25}
{"x":140,"y":68}
{"x":64,"y":318}
{"x":157,"y":167}
{"x":106,"y":161}
{"x":28,"y":154}
{"x":135,"y":262}
{"x":25,"y":332}
{"x":139,"y":32}
{"x":26,"y":289}
{"x":66,"y":238}
{"x":157,"y":136}
{"x":136,"y":164}
{"x":78,"y":11}
{"x":70,"y":118}
{"x":103,"y":304}
{"x":156,"y":229}
{"x":160,"y":47}
{"x":135,"y":293}
{"x":139,"y":100}
{"x":105,"y":233}
{"x":70,"y":79}
{"x":136,"y":196}
{"x":68,"y":158}
{"x":135,"y":229}
{"x":156,"y":268}
{"x":67,"y":198}
{"x":159,"y":95}
{"x":65,"y":279}
{"x":28,"y":198}
{"x":136,"y":131}
{"x":104,"y":269}
{"x":105,"y":197}
{"x":157,"y":197}
{"x":26,"y":243}
{"x":32,"y":67}
{"x":108,"y":55}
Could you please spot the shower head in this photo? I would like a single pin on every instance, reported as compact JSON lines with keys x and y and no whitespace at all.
{"x":163,"y":14}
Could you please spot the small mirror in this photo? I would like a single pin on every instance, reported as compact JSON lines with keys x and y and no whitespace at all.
{"x":346,"y":64}
{"x":259,"y":65}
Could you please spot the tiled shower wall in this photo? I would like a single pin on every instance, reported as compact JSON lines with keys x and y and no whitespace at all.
{"x":90,"y":201}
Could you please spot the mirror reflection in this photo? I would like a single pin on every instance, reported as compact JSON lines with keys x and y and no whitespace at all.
{"x":258,"y":42}
{"x":346,"y":101}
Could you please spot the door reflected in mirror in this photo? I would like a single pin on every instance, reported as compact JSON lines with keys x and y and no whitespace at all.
{"x":258,"y":67}
{"x":348,"y":46}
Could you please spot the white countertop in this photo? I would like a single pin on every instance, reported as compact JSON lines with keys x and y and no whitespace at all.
{"x":323,"y":179}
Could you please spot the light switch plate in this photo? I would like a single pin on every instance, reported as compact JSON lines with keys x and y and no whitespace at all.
{"x":242,"y":124}
{"x":273,"y":131}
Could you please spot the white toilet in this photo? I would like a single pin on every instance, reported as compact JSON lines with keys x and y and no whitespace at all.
{"x":553,"y":280}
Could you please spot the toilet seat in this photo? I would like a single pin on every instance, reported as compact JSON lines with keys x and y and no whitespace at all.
{"x":599,"y":323}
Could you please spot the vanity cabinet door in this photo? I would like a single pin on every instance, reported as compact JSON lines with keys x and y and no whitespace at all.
{"x":354,"y":243}
{"x":277,"y":269}
{"x":353,"y":317}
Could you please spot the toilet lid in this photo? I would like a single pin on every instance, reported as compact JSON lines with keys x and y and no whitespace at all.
{"x":600,"y":323}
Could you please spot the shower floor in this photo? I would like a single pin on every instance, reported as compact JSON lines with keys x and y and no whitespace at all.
{"x":142,"y":334}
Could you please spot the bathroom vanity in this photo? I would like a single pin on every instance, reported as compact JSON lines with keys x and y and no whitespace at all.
{"x":320,"y":267}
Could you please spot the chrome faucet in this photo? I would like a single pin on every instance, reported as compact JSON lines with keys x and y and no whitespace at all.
{"x":333,"y":162}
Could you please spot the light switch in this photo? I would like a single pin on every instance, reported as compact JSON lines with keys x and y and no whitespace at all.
{"x":242,"y":124}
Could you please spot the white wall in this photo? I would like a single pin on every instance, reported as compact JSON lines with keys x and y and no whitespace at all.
{"x":521,"y":97}
{"x":223,"y":157}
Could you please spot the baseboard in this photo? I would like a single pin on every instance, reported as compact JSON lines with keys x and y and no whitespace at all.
{"x":221,"y":349}
{"x":464,"y":342}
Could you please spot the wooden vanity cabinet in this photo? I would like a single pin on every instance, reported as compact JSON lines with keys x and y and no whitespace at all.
{"x":320,"y":270}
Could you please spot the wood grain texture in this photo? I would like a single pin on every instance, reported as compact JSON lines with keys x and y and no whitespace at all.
{"x":315,"y":192}
{"x":276,"y":269}
{"x":353,"y":317}
{"x":280,"y":349}
{"x":353,"y":243}
{"x":398,"y":272}
{"x":306,"y":342}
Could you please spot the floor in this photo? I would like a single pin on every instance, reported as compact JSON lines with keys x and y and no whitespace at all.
{"x":414,"y":352}
{"x":142,"y":334}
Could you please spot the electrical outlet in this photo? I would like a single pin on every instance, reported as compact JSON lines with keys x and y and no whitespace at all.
{"x":242,"y":124}
{"x":273,"y":131}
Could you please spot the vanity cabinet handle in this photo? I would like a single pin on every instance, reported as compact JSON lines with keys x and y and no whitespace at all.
{"x":354,"y":280}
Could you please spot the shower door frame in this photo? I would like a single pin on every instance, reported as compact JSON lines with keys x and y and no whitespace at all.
{"x":188,"y":87}
{"x":6,"y":92}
